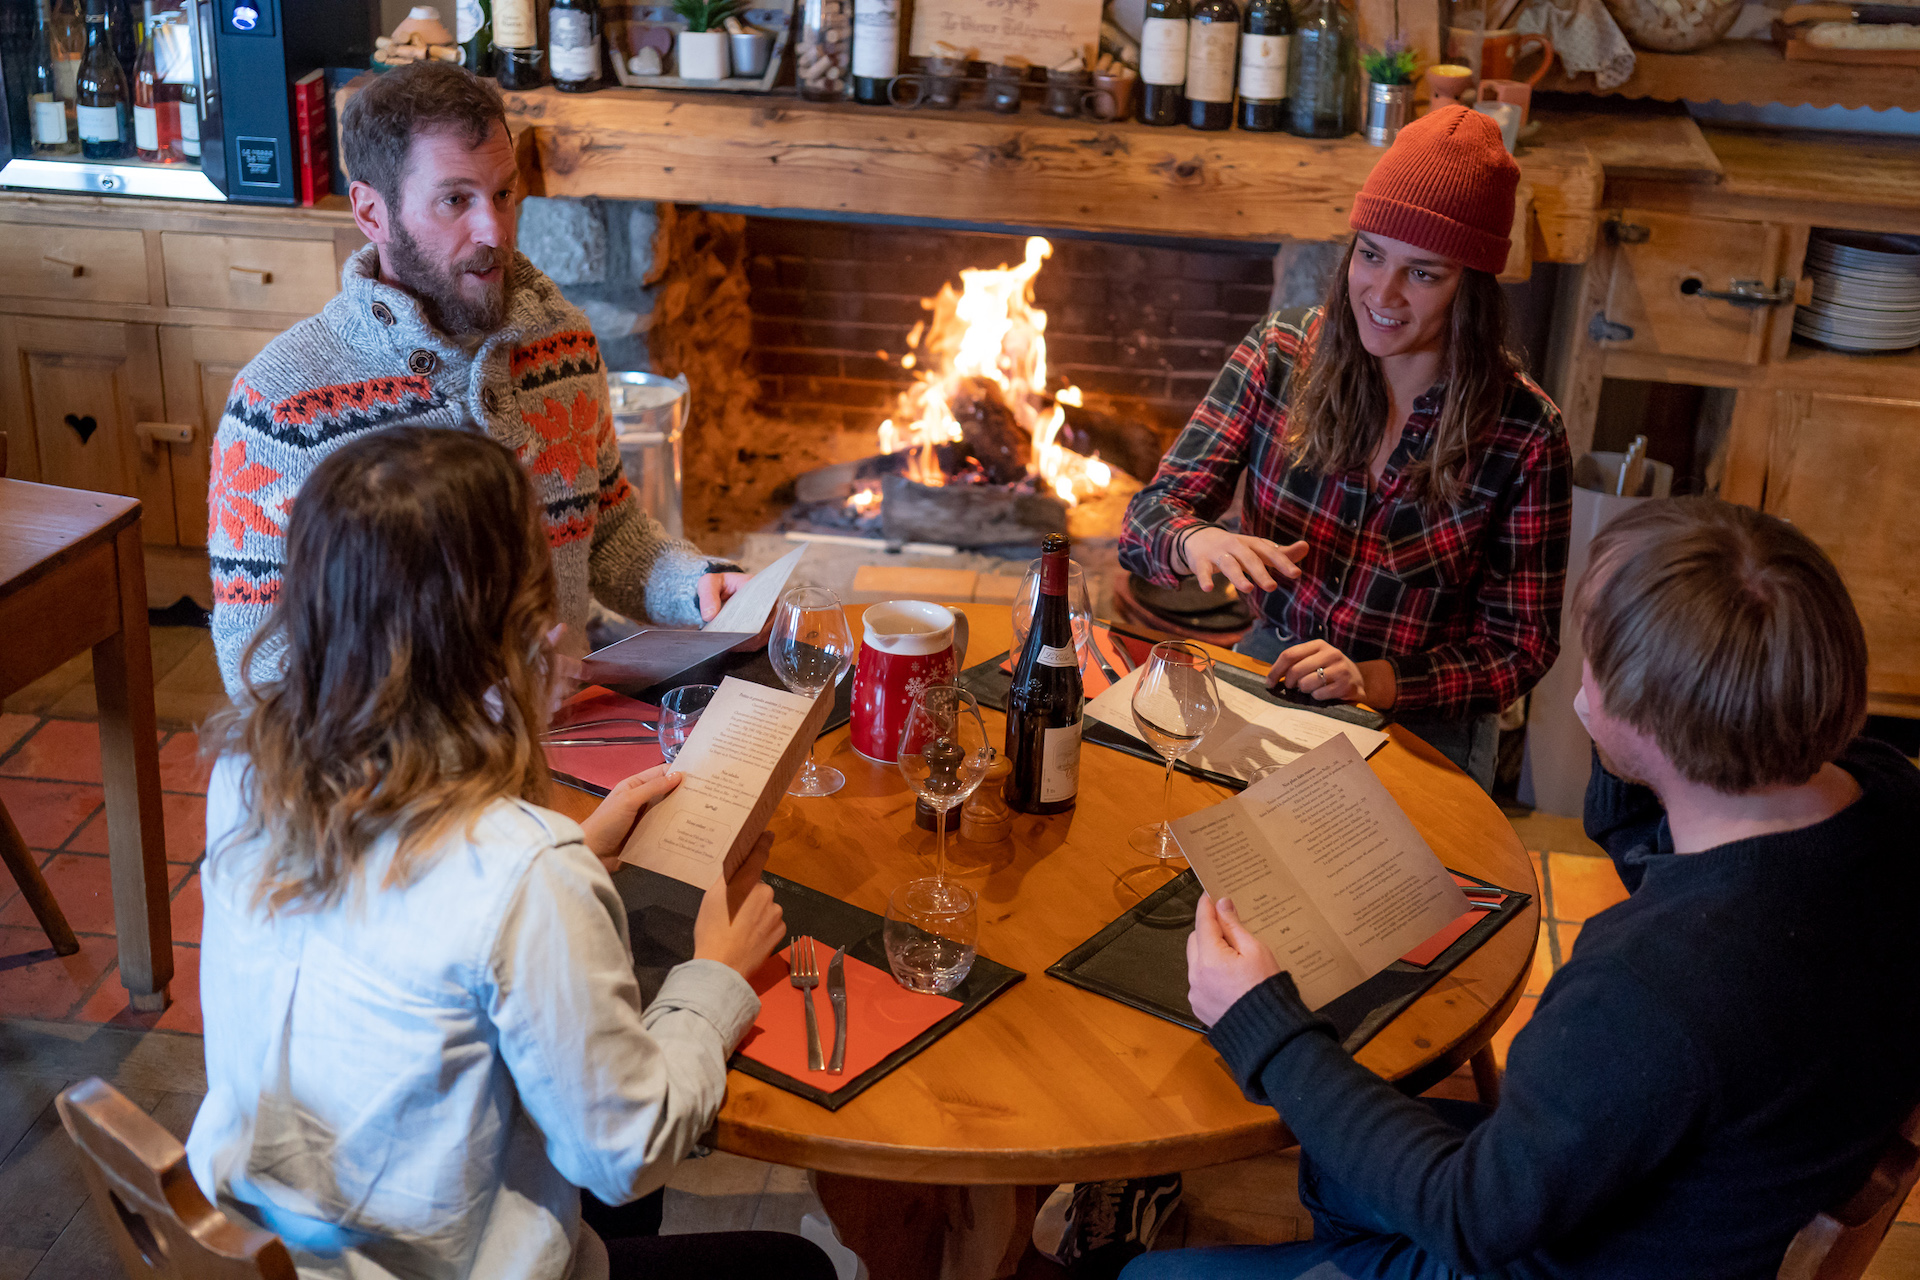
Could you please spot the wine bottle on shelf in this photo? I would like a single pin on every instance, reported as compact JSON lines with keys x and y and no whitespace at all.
{"x":1043,"y":704}
{"x":101,"y":92}
{"x":1213,"y":40}
{"x":473,"y":31}
{"x":52,"y":113}
{"x":573,"y":45}
{"x":1263,"y":65}
{"x":1323,"y":72}
{"x":148,"y":144}
{"x":1163,"y":62}
{"x":516,"y":45}
{"x":69,"y":43}
{"x":121,"y":27}
{"x":876,"y":49}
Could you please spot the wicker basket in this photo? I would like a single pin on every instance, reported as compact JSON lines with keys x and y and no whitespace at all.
{"x":1674,"y":26}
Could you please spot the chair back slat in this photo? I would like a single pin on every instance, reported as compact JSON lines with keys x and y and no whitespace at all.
{"x":162,"y":1226}
{"x":1839,"y":1243}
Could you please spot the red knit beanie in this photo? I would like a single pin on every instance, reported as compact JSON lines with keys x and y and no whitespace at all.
{"x":1446,"y":184}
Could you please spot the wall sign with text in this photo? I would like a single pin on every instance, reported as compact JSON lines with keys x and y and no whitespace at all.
{"x":1044,"y":32}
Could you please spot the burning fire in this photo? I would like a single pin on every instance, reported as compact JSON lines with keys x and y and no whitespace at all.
{"x":988,"y":332}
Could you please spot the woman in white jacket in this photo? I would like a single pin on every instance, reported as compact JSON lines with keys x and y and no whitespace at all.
{"x":423,"y":1031}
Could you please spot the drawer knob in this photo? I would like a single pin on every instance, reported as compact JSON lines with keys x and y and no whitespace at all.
{"x":259,"y":276}
{"x":159,"y":434}
{"x":63,"y":265}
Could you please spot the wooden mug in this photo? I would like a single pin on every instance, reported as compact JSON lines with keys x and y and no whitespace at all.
{"x":1501,"y":51}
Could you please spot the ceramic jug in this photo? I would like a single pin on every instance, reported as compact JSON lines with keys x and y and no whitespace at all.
{"x":905,"y":646}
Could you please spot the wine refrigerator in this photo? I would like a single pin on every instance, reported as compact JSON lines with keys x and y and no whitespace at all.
{"x":208,"y":110}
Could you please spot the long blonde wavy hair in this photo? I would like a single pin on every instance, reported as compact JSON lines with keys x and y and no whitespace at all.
{"x":417,"y":596}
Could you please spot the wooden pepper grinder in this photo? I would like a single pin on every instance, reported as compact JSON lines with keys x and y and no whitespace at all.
{"x":986,"y":817}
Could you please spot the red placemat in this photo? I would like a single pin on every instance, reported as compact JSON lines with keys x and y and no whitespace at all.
{"x":882,"y":1016}
{"x":603,"y":768}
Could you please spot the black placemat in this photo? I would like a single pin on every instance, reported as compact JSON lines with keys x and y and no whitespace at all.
{"x":1141,"y":959}
{"x":660,"y":912}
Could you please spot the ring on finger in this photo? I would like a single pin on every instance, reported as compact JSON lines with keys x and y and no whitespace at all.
{"x":1322,"y":673}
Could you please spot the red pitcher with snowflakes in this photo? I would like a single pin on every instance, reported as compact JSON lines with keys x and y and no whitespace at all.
{"x":907,"y":645}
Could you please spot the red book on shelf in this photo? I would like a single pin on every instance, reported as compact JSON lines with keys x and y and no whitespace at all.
{"x":310,"y":133}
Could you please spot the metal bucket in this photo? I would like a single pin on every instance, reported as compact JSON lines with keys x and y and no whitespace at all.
{"x":649,"y":415}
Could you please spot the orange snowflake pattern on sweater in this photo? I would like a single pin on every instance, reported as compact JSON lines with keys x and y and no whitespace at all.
{"x":229,"y":510}
{"x":569,"y":437}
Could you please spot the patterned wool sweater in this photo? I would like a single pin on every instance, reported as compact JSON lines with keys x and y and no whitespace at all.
{"x":369,"y":361}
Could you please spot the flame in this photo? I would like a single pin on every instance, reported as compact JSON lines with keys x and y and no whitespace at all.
{"x":988,"y":329}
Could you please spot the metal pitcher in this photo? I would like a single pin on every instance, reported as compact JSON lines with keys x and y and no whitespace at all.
{"x":649,"y":415}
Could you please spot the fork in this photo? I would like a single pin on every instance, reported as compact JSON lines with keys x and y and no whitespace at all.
{"x":804,"y":974}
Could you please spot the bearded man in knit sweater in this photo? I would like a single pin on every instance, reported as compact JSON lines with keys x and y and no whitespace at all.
{"x":1727,"y":1051}
{"x":439,"y":322}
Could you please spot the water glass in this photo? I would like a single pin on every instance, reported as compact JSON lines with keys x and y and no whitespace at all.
{"x":679,"y":710}
{"x":932,"y":933}
{"x":810,"y":648}
{"x":1079,"y":610}
{"x":1174,"y":705}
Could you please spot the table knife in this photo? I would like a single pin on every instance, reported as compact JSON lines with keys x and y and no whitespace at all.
{"x":837,"y":993}
{"x":1871,"y":14}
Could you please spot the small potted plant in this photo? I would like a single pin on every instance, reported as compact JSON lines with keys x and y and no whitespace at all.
{"x":702,"y":48}
{"x":1390,"y":74}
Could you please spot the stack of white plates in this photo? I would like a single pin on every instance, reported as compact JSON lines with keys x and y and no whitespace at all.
{"x":1866,"y":291}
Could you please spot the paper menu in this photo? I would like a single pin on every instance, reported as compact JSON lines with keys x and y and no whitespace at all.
{"x":1325,"y":868}
{"x":747,"y":611}
{"x":1250,"y":732}
{"x":736,"y":766}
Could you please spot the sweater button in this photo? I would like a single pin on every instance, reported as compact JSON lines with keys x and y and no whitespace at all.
{"x":489,"y":401}
{"x":382,"y":313}
{"x":423,"y":362}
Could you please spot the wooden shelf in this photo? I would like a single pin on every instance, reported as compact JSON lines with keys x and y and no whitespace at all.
{"x":1753,"y":71}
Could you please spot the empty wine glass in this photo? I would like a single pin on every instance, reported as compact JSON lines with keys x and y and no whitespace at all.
{"x":944,"y":752}
{"x":1174,"y":705}
{"x":1079,"y":610}
{"x":810,"y":647}
{"x":932,"y":933}
{"x":679,"y":710}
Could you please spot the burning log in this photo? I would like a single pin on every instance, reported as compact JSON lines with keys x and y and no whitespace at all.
{"x":1131,"y":446}
{"x":967,"y":515}
{"x":992,"y":433}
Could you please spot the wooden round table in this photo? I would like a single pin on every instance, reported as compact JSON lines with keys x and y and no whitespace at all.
{"x":1050,"y":1083}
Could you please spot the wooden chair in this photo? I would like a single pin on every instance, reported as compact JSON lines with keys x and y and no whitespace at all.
{"x":162,"y":1226}
{"x":1838,"y":1244}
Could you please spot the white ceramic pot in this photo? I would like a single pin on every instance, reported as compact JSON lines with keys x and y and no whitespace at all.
{"x":702,"y":55}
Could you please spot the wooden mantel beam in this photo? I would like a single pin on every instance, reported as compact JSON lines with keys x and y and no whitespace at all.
{"x":1026,"y":170}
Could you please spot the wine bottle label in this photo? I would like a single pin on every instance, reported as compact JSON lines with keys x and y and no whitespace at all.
{"x":467,"y":17}
{"x":189,"y":129}
{"x":1057,"y":656}
{"x":99,"y":124}
{"x":1210,"y":50}
{"x":66,"y":78}
{"x":876,"y":38}
{"x":146,"y":129}
{"x":1263,"y":68}
{"x":573,"y":49}
{"x":49,"y":122}
{"x":1060,"y":764}
{"x":513,"y":26}
{"x":1163,"y":51}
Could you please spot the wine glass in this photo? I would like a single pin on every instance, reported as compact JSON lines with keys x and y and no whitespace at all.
{"x":944,"y":752}
{"x":679,"y":710}
{"x":1174,"y":705}
{"x":1079,"y":610}
{"x":810,"y":647}
{"x":932,"y":932}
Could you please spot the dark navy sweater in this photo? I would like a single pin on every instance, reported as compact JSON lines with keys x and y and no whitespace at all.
{"x":1724,"y":1055}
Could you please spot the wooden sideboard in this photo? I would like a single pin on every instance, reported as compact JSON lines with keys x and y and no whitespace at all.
{"x":122,"y":325}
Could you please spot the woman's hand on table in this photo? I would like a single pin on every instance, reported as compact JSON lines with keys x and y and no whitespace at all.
{"x":607,"y":827}
{"x":1224,"y":961}
{"x":1245,"y":562}
{"x":1321,"y":671}
{"x":739,"y":922}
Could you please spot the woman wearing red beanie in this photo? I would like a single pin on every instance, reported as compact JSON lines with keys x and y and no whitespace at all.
{"x":1404,"y":528}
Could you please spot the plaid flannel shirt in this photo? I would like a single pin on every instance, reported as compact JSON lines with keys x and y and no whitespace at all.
{"x":1463,"y":602}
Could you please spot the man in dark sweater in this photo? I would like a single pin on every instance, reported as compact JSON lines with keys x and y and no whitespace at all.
{"x":1728,"y":1050}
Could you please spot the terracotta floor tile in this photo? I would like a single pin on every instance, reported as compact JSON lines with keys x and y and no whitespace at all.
{"x":187,"y":909}
{"x":185,"y":817}
{"x":83,"y":886}
{"x":1911,"y":1211}
{"x":109,"y":1001}
{"x":1583,"y":887}
{"x":62,"y":750}
{"x":35,"y":983}
{"x":1566,"y":933}
{"x":1542,"y":963}
{"x":1503,"y":1038}
{"x":1539,"y":877}
{"x":13,"y":728}
{"x":181,"y":768}
{"x":48,"y":812}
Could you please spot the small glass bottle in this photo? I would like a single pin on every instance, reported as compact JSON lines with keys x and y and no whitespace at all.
{"x":826,"y":50}
{"x":1323,"y":72}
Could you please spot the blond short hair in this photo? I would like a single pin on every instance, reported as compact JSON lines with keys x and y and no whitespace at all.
{"x":1727,"y":636}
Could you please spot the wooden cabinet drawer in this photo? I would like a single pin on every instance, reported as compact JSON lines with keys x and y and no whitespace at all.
{"x":73,"y":264}
{"x":1665,"y":266}
{"x":247,"y":273}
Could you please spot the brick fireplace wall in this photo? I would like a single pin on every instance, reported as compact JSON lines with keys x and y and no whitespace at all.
{"x":1141,"y":330}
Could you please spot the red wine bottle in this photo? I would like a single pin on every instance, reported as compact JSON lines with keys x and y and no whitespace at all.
{"x":1163,"y":62}
{"x":1043,"y":706}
